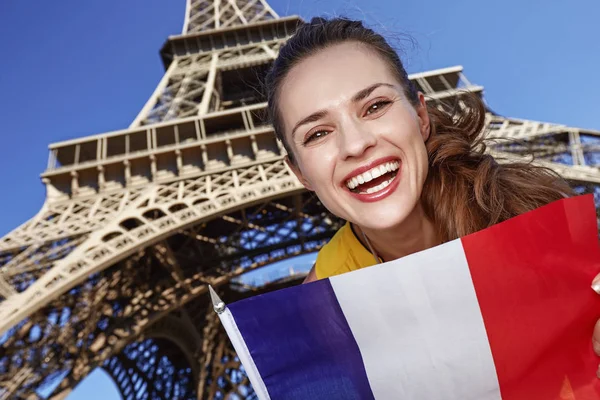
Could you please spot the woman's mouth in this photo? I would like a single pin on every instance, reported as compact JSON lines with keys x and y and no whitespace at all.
{"x":375,"y":179}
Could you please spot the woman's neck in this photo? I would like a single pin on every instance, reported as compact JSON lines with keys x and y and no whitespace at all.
{"x":416,"y":233}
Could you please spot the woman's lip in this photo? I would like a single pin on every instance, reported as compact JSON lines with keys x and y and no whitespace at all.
{"x":381,"y":194}
{"x":368,"y":166}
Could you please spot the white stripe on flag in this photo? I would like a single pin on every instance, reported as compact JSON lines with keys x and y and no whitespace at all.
{"x":419,"y":328}
{"x":243,"y":353}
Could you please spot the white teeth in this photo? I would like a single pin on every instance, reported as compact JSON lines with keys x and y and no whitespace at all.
{"x":371,"y":174}
{"x":375,"y":172}
{"x":379,"y":187}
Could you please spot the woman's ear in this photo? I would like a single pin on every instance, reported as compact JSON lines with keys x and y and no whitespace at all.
{"x":296,"y":170}
{"x":424,"y":122}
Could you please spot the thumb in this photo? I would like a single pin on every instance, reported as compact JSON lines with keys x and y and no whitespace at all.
{"x":596,"y":284}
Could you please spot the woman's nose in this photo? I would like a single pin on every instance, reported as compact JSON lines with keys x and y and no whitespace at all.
{"x":355,"y":139}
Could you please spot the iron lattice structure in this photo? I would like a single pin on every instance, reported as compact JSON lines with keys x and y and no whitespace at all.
{"x":112,"y":272}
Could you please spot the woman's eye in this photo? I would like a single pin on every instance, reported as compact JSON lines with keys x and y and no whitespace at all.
{"x":315,"y":135}
{"x":376,"y":107}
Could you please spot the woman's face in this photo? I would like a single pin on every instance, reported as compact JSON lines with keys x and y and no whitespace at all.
{"x":358,"y":142}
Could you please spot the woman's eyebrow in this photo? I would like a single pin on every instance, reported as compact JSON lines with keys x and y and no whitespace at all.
{"x":362,"y":94}
{"x":311,"y":118}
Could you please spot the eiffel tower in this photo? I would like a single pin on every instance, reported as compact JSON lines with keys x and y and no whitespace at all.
{"x":113,"y":271}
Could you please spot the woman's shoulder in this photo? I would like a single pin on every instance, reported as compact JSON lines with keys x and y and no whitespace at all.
{"x":343,"y":253}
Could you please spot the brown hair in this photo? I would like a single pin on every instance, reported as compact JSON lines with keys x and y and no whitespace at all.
{"x":466,"y":190}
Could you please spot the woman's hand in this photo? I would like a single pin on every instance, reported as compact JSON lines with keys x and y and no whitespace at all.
{"x":596,"y":335}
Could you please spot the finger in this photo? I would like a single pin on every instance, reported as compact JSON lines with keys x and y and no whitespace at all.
{"x":596,"y":338}
{"x":596,"y":284}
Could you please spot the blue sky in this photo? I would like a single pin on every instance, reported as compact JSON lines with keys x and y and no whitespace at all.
{"x":73,"y":68}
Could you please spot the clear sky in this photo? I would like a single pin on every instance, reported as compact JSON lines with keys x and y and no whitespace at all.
{"x":72,"y":68}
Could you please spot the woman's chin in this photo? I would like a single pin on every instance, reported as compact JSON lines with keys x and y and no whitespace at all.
{"x":381,"y":220}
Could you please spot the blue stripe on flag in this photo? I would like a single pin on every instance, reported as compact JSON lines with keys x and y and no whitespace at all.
{"x":319,"y":358}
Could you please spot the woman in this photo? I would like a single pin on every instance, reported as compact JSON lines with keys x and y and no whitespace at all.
{"x":406,"y":176}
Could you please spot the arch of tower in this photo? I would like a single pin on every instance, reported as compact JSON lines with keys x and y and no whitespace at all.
{"x":113,"y":271}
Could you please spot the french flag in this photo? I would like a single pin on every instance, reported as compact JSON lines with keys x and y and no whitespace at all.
{"x":505,"y":313}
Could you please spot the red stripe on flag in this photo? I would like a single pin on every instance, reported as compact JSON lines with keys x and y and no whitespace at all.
{"x":532,"y":275}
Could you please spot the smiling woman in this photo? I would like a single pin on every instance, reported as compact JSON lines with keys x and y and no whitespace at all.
{"x":405,"y":175}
